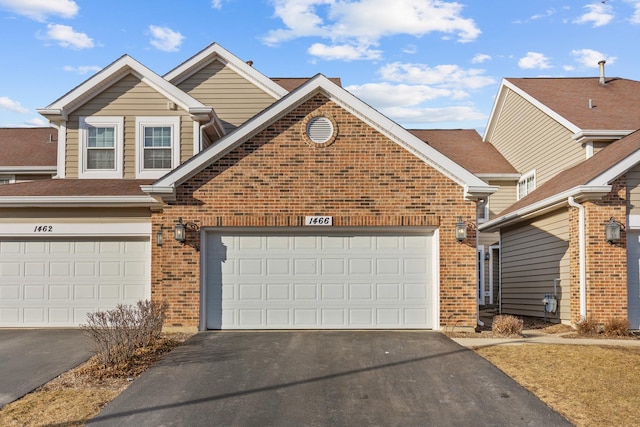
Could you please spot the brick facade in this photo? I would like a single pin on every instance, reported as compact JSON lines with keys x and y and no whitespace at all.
{"x":279,"y":176}
{"x":606,"y":264}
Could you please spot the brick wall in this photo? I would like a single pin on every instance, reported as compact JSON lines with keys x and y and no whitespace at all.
{"x":279,"y":176}
{"x":606,"y":264}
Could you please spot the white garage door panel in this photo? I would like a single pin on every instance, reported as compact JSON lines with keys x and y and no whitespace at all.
{"x":331,"y":281}
{"x":57,"y":282}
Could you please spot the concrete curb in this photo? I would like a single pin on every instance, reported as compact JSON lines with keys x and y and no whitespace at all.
{"x":535,"y":337}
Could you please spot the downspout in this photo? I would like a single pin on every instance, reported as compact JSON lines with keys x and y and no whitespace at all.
{"x":478,"y":269}
{"x":582,"y":257}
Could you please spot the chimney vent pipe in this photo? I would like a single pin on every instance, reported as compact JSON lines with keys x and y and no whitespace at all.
{"x":601,"y":64}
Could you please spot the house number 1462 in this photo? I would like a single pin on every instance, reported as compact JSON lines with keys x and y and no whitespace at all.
{"x":43,"y":229}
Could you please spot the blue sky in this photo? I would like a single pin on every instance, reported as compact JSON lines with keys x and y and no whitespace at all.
{"x":423,"y":63}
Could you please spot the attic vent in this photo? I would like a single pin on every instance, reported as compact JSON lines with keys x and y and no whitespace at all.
{"x":320,"y":130}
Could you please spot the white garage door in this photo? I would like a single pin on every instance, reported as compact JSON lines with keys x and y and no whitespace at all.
{"x":57,"y":282}
{"x":329,"y":281}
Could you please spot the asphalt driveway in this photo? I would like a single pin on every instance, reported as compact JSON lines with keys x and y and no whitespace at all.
{"x":32,"y":357}
{"x":333,"y":378}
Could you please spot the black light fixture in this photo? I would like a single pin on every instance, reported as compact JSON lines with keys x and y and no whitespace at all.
{"x":612,"y":231}
{"x":461,"y":230}
{"x":159,"y":237}
{"x":180,"y":232}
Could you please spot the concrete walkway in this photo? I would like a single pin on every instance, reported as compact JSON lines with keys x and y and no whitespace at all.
{"x":534,"y":336}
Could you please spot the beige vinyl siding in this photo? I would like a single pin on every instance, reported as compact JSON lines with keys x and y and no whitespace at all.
{"x":533,"y":255}
{"x":503,"y":198}
{"x":633,"y":190}
{"x":130,"y":98}
{"x":234,"y":99}
{"x":529,"y":139}
{"x":498,"y":201}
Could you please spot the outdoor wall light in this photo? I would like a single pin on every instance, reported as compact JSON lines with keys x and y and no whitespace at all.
{"x":159,"y":237}
{"x":180,"y":231}
{"x":461,"y":230}
{"x":612,"y":231}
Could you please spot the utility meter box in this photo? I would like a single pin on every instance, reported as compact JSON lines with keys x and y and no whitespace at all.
{"x":550,"y":303}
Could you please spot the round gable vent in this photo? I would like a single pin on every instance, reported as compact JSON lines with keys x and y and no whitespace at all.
{"x":320,"y":129}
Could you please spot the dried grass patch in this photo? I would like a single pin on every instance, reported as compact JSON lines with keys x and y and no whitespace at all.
{"x":78,"y":395}
{"x":590,"y":385}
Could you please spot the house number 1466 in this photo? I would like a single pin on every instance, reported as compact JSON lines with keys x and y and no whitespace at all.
{"x":318,"y":220}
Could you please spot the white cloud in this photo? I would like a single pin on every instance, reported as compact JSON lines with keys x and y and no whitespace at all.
{"x":217,"y":4}
{"x":444,"y":76}
{"x":343,"y":52}
{"x":386,"y":95}
{"x":82,"y":69}
{"x":36,"y":122}
{"x":165,"y":39}
{"x":599,"y":14}
{"x":534,"y":60}
{"x":39,"y":10}
{"x":546,"y":14}
{"x":365,"y":22}
{"x":589,"y":58}
{"x":66,"y":36}
{"x":480,"y":58}
{"x":433,"y":115}
{"x":635,"y":18}
{"x":11,"y":105}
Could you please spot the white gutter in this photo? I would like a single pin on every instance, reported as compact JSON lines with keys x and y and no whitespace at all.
{"x":582,"y":257}
{"x":583,"y":192}
{"x":77,"y":201}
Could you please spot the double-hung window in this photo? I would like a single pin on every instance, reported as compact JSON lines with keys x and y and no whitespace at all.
{"x":157,"y":145}
{"x":526,"y":184}
{"x":101,"y":151}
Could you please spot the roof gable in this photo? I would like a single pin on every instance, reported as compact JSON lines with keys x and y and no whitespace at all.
{"x":215,"y":52}
{"x":320,"y":84}
{"x":589,"y":178}
{"x":125,"y":65}
{"x":582,"y":105}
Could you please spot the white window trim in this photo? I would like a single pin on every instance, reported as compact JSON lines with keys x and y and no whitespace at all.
{"x":11,"y":178}
{"x":141,"y":123}
{"x":101,"y":121}
{"x":524,"y":178}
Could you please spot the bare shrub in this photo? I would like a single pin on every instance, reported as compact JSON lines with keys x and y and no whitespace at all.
{"x":116,"y":334}
{"x":507,"y":325}
{"x":618,"y":327}
{"x":588,"y":326}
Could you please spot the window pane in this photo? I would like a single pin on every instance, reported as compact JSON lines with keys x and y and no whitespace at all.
{"x":101,"y":137}
{"x":157,"y":158}
{"x":101,"y":159}
{"x":157,"y":136}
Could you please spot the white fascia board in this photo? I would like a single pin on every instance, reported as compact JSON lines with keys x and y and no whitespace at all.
{"x":580,"y":193}
{"x":215,"y":51}
{"x":77,"y":201}
{"x":33,"y":228}
{"x":544,"y":108}
{"x":321,"y":84}
{"x":499,"y":176}
{"x":618,"y":169}
{"x":35,"y":170}
{"x":112,"y":73}
{"x":600,"y":135}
